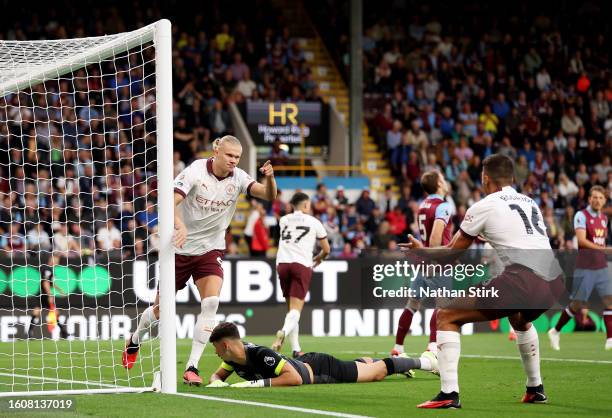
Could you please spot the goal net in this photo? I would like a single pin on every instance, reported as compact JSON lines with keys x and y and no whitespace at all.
{"x":86,"y":212}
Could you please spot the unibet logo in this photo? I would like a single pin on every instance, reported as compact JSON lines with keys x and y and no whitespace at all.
{"x":25,"y":281}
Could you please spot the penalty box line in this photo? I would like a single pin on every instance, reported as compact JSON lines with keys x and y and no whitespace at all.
{"x":272,"y":406}
{"x":491,"y":357}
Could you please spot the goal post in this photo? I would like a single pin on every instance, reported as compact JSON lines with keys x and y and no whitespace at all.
{"x":167,"y":304}
{"x":86,"y":174}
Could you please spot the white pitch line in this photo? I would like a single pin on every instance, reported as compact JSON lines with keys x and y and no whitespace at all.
{"x":53,"y":379}
{"x":273,"y":406}
{"x":483,"y":356}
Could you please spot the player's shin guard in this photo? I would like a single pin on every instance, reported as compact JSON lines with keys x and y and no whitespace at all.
{"x":147,"y":320}
{"x":449,"y":349}
{"x":565,"y":317}
{"x":203,"y":328}
{"x":403,"y":326}
{"x":529,"y":348}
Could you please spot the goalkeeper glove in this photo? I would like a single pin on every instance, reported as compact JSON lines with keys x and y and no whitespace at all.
{"x":218,"y":384}
{"x":261,"y":383}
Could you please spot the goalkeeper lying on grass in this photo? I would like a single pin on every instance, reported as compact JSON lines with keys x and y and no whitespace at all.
{"x":262,"y":367}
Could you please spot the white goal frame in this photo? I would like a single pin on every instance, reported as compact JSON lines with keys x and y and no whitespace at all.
{"x":161,"y":35}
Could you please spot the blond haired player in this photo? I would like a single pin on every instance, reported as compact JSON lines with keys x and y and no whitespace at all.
{"x":205,"y":197}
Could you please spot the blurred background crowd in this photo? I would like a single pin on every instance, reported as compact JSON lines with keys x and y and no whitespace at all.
{"x":443,"y":90}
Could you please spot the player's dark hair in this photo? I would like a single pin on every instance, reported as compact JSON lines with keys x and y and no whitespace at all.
{"x":298,"y":198}
{"x":499,"y":168}
{"x":599,"y":189}
{"x":224,"y":330}
{"x":430,"y":180}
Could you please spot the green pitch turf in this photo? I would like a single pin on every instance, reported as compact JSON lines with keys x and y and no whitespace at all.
{"x":577,"y":381}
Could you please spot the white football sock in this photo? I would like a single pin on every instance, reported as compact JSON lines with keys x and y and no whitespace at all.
{"x":425,"y":363}
{"x":147,"y":320}
{"x":291,"y":320}
{"x":203,"y":328}
{"x":449,"y":349}
{"x":433,"y":347}
{"x":529,"y":347}
{"x":293,"y":338}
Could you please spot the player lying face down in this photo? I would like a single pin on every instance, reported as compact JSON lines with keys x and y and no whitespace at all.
{"x":262,"y":367}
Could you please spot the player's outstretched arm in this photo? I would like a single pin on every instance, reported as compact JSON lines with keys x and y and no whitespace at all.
{"x":288,"y":377}
{"x":217,"y":379}
{"x":325,"y":250}
{"x":180,"y":231}
{"x":460,"y":241}
{"x":268,"y":190}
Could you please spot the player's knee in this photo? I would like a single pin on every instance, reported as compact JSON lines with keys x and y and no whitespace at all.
{"x":443,"y":318}
{"x":156,"y":311}
{"x":210,"y":305}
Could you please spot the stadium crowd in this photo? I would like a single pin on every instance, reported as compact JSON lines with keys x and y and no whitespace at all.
{"x":64,"y":172}
{"x":436,"y":98}
{"x":449,"y":84}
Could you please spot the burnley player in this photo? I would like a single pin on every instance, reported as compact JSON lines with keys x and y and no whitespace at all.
{"x":528,"y":285}
{"x":591,"y":226}
{"x":263,"y":367}
{"x":435,"y":227}
{"x":294,"y":263}
{"x":205,"y":197}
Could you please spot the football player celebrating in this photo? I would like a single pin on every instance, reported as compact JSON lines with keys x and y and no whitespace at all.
{"x":529,"y":283}
{"x":205,"y":198}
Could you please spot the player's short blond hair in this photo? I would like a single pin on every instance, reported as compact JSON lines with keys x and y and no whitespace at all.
{"x":225,"y":139}
{"x":598,"y":188}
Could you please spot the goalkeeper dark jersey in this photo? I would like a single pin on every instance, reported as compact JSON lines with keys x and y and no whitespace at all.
{"x":263,"y":363}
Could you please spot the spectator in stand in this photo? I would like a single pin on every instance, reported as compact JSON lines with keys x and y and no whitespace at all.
{"x":184,"y":142}
{"x":348,"y":253}
{"x":397,"y":222}
{"x":63,"y":242}
{"x":365,"y":205}
{"x":340,"y":202}
{"x":219,"y":120}
{"x":260,"y":241}
{"x":109,"y":237}
{"x":83,"y":238}
{"x":394,"y":139}
{"x":387,"y":200}
{"x":37,"y":239}
{"x":570,"y":122}
{"x":249,"y":228}
{"x":321,"y":200}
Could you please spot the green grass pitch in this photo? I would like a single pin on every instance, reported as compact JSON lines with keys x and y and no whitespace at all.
{"x":577,"y":381}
